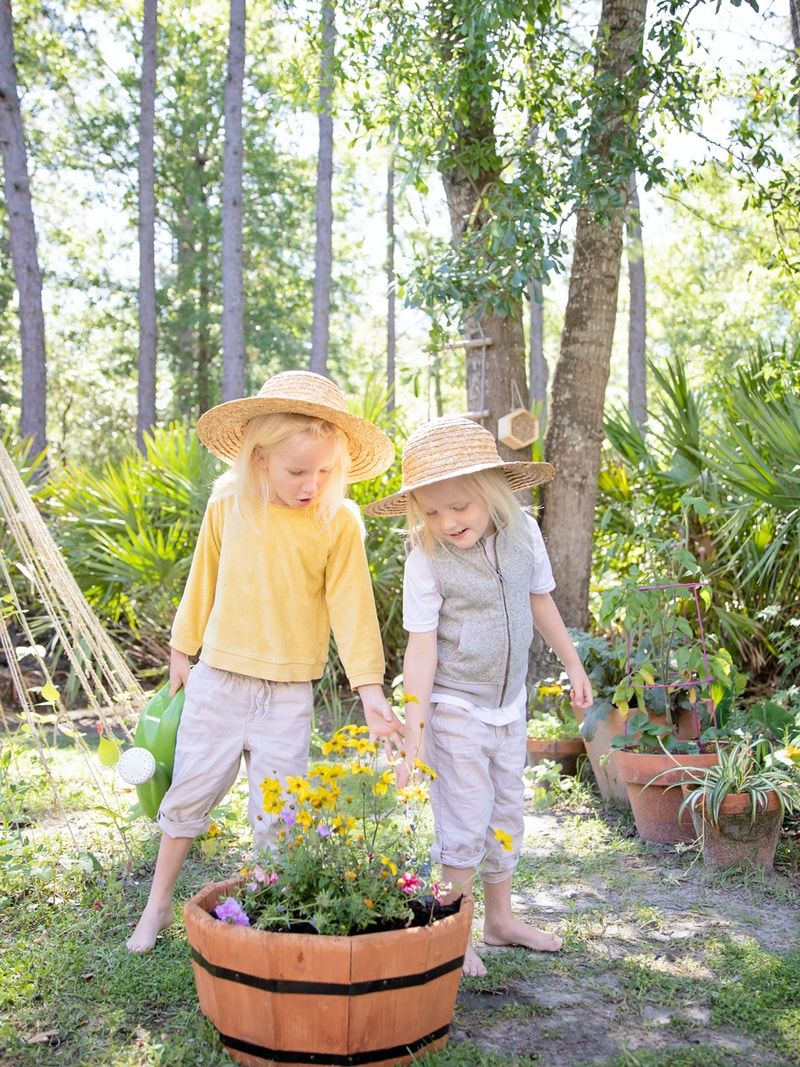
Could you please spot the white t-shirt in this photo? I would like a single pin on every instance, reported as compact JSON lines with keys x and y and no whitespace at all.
{"x":422,"y":601}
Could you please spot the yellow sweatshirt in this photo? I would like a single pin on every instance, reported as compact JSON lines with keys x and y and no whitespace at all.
{"x":262,"y":596}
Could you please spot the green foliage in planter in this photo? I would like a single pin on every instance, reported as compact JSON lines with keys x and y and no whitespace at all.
{"x":748,"y":767}
{"x":604,"y":660}
{"x":550,"y":716}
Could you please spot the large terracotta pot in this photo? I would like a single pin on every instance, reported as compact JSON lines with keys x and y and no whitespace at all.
{"x":739,"y":841}
{"x":603,"y":760}
{"x":301,"y":998}
{"x":565,"y":752}
{"x":656,"y":804}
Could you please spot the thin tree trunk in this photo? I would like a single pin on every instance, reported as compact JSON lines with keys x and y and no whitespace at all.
{"x":538,"y":371}
{"x":233,"y":350}
{"x":146,"y":409}
{"x":22,"y":237}
{"x":320,"y":323}
{"x":204,"y":297}
{"x":575,"y":426}
{"x":391,"y":296}
{"x":794,"y":19}
{"x":637,"y":315}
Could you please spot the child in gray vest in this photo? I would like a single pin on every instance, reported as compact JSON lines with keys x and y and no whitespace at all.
{"x":477,"y":578}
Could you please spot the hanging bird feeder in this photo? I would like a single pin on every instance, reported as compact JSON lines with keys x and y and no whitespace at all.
{"x":519,"y":428}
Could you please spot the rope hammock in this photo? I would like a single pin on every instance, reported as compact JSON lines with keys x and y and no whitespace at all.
{"x":105,"y":679}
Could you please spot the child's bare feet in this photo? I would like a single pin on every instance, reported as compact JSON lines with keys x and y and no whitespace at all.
{"x":154,"y":919}
{"x":511,"y":932}
{"x":473,"y":964}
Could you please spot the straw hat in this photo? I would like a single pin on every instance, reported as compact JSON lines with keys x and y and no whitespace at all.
{"x":448,"y":448}
{"x":298,"y":392}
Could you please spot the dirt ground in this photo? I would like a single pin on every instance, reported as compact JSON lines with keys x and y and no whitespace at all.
{"x":664,"y":962}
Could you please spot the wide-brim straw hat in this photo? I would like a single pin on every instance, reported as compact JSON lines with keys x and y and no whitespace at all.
{"x":298,"y":392}
{"x":450,"y":448}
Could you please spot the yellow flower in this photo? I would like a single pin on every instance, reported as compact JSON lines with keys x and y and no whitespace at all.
{"x":411,"y":794}
{"x":360,"y":768}
{"x":381,"y":787}
{"x":388,"y":863}
{"x":362,"y":745}
{"x":299,"y":786}
{"x":342,"y":824}
{"x":244,"y":872}
{"x":213,"y":830}
{"x":368,"y":903}
{"x":332,"y":746}
{"x":550,"y":690}
{"x":793,"y":752}
{"x":327,"y":772}
{"x":272,"y":793}
{"x":506,"y":840}
{"x":409,"y":698}
{"x":304,"y":819}
{"x":350,"y":876}
{"x":431,"y":773}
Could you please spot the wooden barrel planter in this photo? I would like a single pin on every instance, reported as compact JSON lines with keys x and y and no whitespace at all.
{"x":566,"y":752}
{"x":278,"y":998}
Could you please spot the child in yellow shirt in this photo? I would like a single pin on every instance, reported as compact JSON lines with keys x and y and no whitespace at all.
{"x":279,"y":561}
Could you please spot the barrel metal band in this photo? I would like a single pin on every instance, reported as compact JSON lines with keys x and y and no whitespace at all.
{"x":345,"y":1060}
{"x":335,"y":989}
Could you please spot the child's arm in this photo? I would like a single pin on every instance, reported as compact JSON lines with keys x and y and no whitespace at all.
{"x":419,"y":667}
{"x":548,"y":622}
{"x":379,"y":717}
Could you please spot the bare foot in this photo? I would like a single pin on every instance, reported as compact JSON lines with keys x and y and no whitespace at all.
{"x":473,"y":964}
{"x":512,"y":932}
{"x":152,"y":922}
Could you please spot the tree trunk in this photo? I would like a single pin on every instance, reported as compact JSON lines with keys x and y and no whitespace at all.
{"x":538,"y":373}
{"x":204,"y":297}
{"x":146,"y":409}
{"x":575,"y":426}
{"x":391,"y":296}
{"x":22,"y":236}
{"x":494,"y":369}
{"x":233,"y":350}
{"x":637,"y":315}
{"x":320,"y":323}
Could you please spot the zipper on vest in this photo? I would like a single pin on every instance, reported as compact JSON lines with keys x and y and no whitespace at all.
{"x":502,"y":583}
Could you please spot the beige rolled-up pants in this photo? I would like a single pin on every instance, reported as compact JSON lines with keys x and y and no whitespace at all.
{"x":479,"y":788}
{"x":227,"y":715}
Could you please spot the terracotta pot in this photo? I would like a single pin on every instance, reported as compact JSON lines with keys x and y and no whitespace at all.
{"x":303,"y":998}
{"x":565,"y":752}
{"x":739,"y":841}
{"x":656,"y":804}
{"x":611,"y":786}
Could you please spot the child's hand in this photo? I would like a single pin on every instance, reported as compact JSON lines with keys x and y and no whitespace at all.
{"x":178,"y":670}
{"x":381,"y":720}
{"x":581,"y":694}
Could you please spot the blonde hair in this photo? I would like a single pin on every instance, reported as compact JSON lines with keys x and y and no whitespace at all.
{"x":492,"y":489}
{"x":250,"y":485}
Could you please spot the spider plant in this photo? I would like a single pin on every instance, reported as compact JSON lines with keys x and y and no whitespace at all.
{"x":747,"y":767}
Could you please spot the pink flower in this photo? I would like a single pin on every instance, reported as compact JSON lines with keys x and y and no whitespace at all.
{"x":409,"y":883}
{"x":231,"y":911}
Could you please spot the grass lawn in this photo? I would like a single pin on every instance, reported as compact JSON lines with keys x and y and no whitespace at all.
{"x":664,"y":963}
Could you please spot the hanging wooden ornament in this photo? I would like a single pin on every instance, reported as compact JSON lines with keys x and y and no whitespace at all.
{"x":519,"y":428}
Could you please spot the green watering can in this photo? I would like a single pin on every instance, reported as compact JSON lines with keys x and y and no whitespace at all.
{"x":148,"y":765}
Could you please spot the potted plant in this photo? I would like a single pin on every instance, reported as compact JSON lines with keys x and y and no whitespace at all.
{"x":738,"y":805}
{"x":334,"y":947}
{"x":553,"y":730}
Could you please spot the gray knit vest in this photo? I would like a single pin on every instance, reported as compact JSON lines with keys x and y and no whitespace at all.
{"x":485,"y":626}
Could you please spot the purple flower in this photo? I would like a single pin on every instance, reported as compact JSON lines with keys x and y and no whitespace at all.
{"x":289,"y":816}
{"x":324,"y":831}
{"x":231,"y":911}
